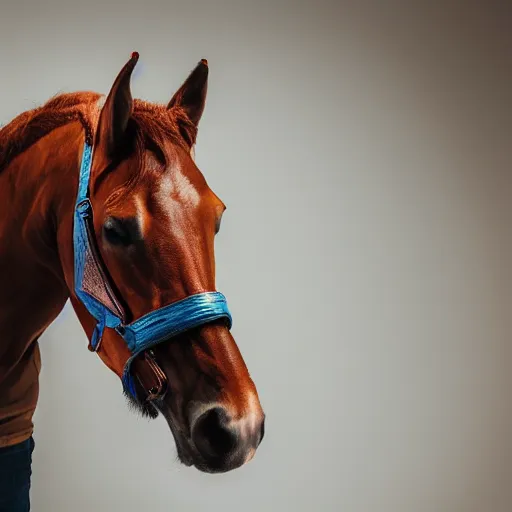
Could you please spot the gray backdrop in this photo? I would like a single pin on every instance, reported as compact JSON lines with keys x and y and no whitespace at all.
{"x":363,"y":152}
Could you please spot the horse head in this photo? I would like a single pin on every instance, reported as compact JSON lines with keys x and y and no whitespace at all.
{"x":151,"y":244}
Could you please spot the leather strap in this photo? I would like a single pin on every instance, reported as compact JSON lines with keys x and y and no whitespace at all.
{"x":151,"y":377}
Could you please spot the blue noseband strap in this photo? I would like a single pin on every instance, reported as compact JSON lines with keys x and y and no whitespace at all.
{"x":169,"y":321}
{"x":93,"y":289}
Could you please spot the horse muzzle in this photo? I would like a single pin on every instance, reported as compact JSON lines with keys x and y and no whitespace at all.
{"x":221,"y":443}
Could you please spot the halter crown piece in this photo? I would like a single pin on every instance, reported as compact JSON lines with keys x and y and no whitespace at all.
{"x":94,"y":290}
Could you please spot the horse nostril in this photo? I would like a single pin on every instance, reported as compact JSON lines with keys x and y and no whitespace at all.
{"x":212,"y":437}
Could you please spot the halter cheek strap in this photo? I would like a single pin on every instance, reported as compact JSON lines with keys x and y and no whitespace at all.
{"x":94,"y":288}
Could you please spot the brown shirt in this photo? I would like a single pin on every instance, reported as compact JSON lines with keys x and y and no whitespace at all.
{"x":19,"y":391}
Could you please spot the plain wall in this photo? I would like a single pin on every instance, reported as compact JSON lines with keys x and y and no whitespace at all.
{"x":364,"y":154}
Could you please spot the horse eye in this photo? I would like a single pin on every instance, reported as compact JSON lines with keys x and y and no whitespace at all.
{"x":122,"y":232}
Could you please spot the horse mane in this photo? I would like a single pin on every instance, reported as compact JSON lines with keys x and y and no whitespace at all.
{"x":153,"y":123}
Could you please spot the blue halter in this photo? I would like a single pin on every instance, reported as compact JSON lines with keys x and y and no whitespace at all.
{"x":93,"y":288}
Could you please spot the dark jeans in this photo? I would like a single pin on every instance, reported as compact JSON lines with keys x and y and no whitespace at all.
{"x":15,"y":473}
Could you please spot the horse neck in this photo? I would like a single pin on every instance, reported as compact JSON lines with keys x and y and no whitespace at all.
{"x":37,"y":192}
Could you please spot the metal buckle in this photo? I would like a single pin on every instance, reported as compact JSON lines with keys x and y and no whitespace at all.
{"x":159,"y":390}
{"x":84,"y":207}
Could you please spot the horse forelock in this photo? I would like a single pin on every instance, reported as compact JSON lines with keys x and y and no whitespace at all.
{"x":152,"y":122}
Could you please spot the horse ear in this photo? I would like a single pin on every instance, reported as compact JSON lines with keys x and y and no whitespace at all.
{"x":116,"y":112}
{"x":191,"y":96}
